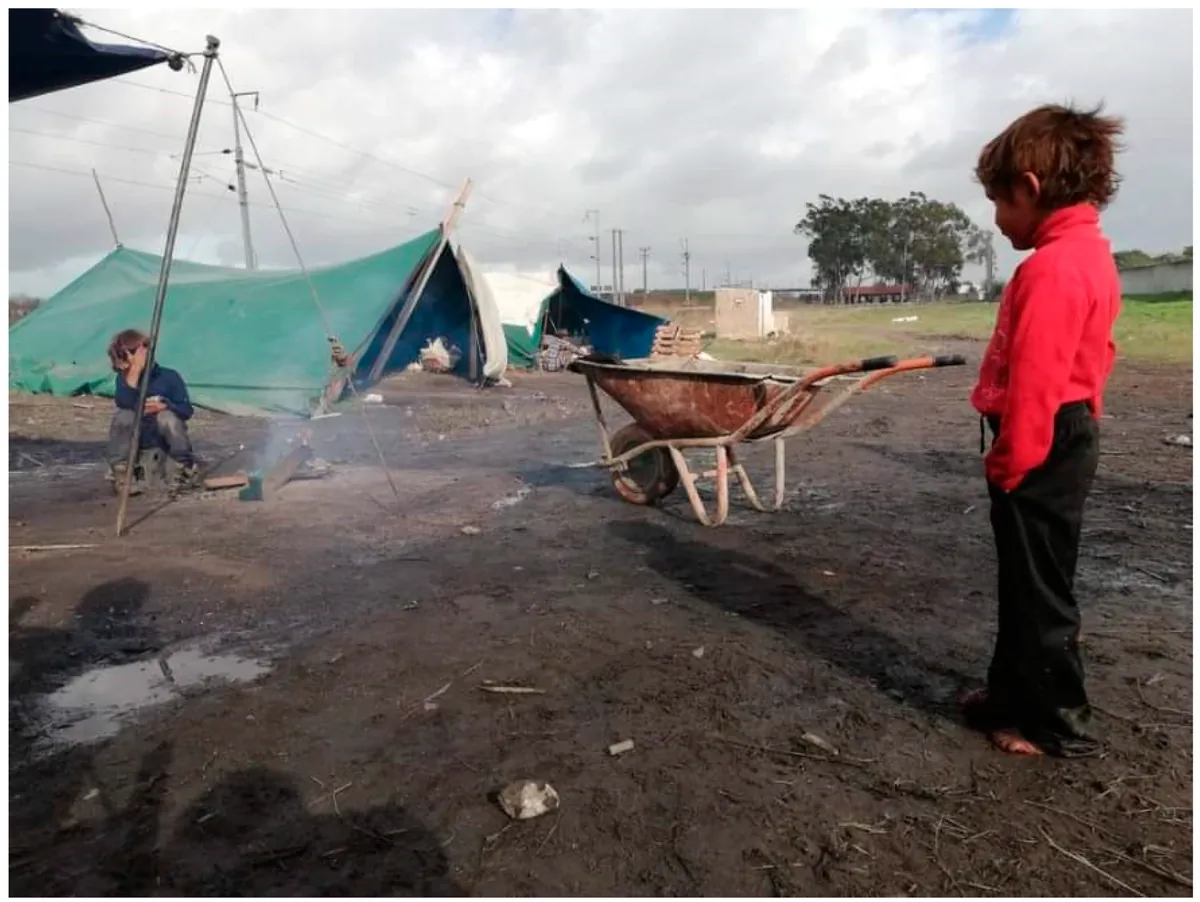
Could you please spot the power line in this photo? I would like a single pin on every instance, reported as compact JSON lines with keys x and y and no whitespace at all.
{"x":73,"y":140}
{"x":302,"y":129}
{"x":301,"y":211}
{"x":128,"y":128}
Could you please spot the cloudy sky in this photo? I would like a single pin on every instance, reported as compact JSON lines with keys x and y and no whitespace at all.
{"x":715,"y":127}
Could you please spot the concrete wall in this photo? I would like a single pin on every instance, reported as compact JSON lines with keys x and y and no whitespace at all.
{"x":1160,"y":278}
{"x":737,"y":313}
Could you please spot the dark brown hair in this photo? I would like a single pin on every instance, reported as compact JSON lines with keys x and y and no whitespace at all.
{"x":1072,"y":152}
{"x":124,"y":344}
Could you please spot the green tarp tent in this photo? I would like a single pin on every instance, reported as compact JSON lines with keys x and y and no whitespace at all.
{"x":245,"y":342}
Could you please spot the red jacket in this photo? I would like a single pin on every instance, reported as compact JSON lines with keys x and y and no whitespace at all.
{"x":1052,"y":343}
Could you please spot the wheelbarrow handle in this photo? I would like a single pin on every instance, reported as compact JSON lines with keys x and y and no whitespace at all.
{"x":950,"y":360}
{"x":877,"y":363}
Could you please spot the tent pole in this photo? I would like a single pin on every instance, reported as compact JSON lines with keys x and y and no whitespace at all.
{"x":410,"y":304}
{"x":210,"y":54}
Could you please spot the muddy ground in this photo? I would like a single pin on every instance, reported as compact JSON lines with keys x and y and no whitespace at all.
{"x":364,"y":759}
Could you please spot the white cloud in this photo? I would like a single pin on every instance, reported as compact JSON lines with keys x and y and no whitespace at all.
{"x":712,"y":126}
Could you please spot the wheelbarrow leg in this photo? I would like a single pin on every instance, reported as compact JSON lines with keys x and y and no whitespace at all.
{"x":744,"y":481}
{"x":780,"y":472}
{"x":722,"y":475}
{"x":688,"y":478}
{"x":600,"y":424}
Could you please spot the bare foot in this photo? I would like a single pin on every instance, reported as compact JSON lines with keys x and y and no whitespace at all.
{"x":1013,"y":743}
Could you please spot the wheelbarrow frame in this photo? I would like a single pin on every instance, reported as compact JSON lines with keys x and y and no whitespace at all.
{"x":788,"y":412}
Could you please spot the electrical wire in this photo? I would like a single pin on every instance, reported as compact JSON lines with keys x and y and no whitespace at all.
{"x":333,"y":338}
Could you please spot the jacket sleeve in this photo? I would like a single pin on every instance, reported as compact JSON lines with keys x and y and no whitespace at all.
{"x":175,"y":394}
{"x":1050,"y":308}
{"x":121,"y":398}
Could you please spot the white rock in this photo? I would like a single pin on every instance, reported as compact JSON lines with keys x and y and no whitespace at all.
{"x":621,"y":748}
{"x":525,"y":799}
{"x":471,"y":530}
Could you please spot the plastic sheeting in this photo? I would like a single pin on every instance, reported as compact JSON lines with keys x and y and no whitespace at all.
{"x":571,"y":310}
{"x":495,"y":351}
{"x":47,"y":53}
{"x":245,"y":342}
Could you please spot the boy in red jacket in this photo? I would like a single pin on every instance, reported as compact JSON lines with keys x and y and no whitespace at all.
{"x":1040,"y":390}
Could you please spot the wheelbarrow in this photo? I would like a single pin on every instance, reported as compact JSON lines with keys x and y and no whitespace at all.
{"x":682,"y":406}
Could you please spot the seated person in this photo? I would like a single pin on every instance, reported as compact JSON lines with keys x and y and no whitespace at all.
{"x":164,"y":419}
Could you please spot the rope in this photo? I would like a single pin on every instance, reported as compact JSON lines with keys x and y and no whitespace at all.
{"x":177,"y":54}
{"x":326,"y":321}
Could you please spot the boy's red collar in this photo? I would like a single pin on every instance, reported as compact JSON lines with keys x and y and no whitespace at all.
{"x":1063,"y":220}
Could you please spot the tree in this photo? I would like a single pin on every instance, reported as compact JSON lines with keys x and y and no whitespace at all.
{"x":914,"y":241}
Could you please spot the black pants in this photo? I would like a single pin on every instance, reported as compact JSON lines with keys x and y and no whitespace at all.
{"x":1036,"y":679}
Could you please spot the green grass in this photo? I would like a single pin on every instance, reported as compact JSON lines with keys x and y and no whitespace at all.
{"x":1156,"y":330}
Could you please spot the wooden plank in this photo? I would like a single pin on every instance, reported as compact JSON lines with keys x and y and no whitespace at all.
{"x":233,"y":481}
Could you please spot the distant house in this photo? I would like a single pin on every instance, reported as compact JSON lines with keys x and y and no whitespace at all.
{"x":876,"y":294}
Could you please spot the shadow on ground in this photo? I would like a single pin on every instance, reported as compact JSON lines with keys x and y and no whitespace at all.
{"x":765,"y":593}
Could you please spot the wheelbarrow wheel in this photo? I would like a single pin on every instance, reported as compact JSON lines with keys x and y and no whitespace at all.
{"x":648,"y":477}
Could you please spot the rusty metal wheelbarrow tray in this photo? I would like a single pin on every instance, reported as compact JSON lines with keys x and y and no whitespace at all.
{"x":678,"y":405}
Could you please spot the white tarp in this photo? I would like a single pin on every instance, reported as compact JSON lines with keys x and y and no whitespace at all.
{"x":495,"y":346}
{"x":519,"y":296}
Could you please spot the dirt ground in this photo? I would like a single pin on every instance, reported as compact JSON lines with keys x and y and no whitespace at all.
{"x":787,"y":679}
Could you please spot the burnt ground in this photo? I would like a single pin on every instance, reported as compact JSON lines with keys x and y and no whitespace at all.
{"x":365,"y":761}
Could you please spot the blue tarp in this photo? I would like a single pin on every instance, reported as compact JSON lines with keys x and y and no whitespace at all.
{"x":620,"y":331}
{"x":47,"y":53}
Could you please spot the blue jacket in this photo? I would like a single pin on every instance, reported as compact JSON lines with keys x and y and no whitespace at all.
{"x":166,"y":384}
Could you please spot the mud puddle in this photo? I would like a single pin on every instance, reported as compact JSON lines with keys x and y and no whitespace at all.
{"x":96,"y":704}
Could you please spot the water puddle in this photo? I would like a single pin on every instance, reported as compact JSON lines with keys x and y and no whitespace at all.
{"x":95,"y":705}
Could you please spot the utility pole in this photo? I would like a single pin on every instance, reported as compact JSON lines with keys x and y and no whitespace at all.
{"x":621,"y":267}
{"x":704,"y":278}
{"x":112,"y":226}
{"x":240,"y":161}
{"x":687,"y":273}
{"x":904,"y":267}
{"x":644,"y":252}
{"x":612,"y":289}
{"x":594,"y":217}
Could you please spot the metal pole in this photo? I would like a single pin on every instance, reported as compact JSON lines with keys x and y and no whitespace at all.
{"x":645,"y":252}
{"x":164,"y":274}
{"x":904,"y":267}
{"x":612,"y":291}
{"x":112,"y":226}
{"x":621,"y":267}
{"x":243,"y":199}
{"x":594,"y":215}
{"x":687,"y":273}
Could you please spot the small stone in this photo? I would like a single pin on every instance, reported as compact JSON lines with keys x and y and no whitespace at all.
{"x":527,"y":799}
{"x":698,"y":653}
{"x":471,"y":530}
{"x":657,"y":601}
{"x":593,"y":574}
